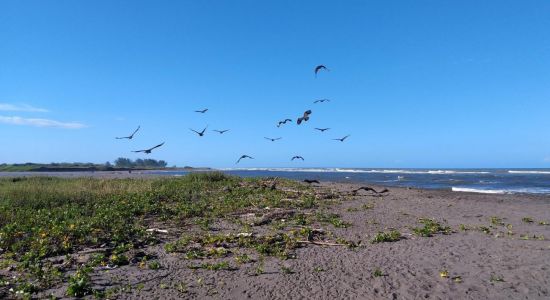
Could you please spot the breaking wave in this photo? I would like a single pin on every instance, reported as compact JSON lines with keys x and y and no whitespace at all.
{"x":343,"y":170}
{"x":529,"y":172}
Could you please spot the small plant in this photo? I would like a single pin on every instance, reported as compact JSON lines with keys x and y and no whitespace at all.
{"x":391,"y":236}
{"x":195,"y":253}
{"x":377,"y":273}
{"x":182,"y":287}
{"x":497,"y":221}
{"x":318,"y":269}
{"x":154,"y":265}
{"x":333,"y":219}
{"x":457,"y":279}
{"x":484,"y":229}
{"x":544,"y":223}
{"x":242,"y":259}
{"x":259,"y":270}
{"x":204,"y":223}
{"x":462,"y":227}
{"x":286,"y":270}
{"x":444,"y":274}
{"x":79,"y":283}
{"x":96,"y":259}
{"x":496,"y":278}
{"x":527,"y":220}
{"x":119,"y":259}
{"x":430,"y":228}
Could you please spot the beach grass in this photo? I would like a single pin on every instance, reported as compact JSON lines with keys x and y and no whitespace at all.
{"x":42,"y":217}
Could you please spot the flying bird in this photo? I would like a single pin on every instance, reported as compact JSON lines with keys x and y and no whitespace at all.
{"x":221,"y":131}
{"x":297,"y":157}
{"x":342,"y":139}
{"x":272,"y":139}
{"x":321,"y":100}
{"x":319,"y":68}
{"x":201,"y":111}
{"x":201,"y":133}
{"x":283,"y":122}
{"x":322,"y":129}
{"x":304,"y":118}
{"x":148,"y":151}
{"x":243,"y":157}
{"x":130,"y":136}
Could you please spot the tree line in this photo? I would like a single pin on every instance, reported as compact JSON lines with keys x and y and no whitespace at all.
{"x":123,"y":162}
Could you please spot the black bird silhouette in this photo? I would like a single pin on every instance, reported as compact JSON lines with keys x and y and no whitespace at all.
{"x":321,"y":100}
{"x":310,"y":181}
{"x":304,"y":118}
{"x":322,"y":129}
{"x":130,"y":136}
{"x":272,"y":139}
{"x":202,"y":111}
{"x":221,"y":131}
{"x":243,"y":157}
{"x":319,"y":68}
{"x":297,"y":157}
{"x":199,"y":133}
{"x":342,"y":139}
{"x":148,"y":151}
{"x":283,"y":122}
{"x":369,"y":189}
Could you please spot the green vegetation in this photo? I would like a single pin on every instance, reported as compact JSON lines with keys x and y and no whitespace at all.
{"x":154,"y":265}
{"x":497,"y":221}
{"x":430,"y":228}
{"x":119,"y":164}
{"x":333,"y":219}
{"x":377,"y":273}
{"x":484,"y":229}
{"x":122,"y":162}
{"x":214,"y":267}
{"x":79,"y":283}
{"x":527,"y":220}
{"x":391,"y":236}
{"x":43,"y":217}
{"x":286,"y":270}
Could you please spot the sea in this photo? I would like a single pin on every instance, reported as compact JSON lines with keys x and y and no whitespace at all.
{"x":491,"y":181}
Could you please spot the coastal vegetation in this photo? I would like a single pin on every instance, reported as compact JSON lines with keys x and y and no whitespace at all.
{"x":120,"y":163}
{"x":46,"y":222}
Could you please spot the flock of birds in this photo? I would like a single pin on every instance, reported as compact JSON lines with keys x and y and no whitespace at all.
{"x":304,"y":118}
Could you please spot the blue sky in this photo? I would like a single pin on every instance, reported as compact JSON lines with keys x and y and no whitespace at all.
{"x":415,"y":83}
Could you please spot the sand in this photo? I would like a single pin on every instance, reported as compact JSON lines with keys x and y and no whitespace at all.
{"x":495,"y":265}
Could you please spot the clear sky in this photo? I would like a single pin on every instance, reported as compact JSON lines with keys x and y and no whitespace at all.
{"x":416,"y":83}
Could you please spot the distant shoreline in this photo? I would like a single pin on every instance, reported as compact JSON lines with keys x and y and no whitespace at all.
{"x":96,"y":169}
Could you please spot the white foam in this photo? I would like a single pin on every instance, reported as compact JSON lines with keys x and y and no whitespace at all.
{"x":529,"y":172}
{"x":343,"y":170}
{"x":506,"y":191}
{"x":483,"y":191}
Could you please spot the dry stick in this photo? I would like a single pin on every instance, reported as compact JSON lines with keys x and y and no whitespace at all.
{"x":321,"y":243}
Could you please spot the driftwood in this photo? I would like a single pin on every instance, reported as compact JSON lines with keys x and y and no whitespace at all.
{"x":156,"y":230}
{"x":267,"y":217}
{"x":320,"y":243}
{"x":310,"y":181}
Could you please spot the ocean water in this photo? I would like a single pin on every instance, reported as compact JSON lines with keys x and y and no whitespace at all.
{"x":493,"y":181}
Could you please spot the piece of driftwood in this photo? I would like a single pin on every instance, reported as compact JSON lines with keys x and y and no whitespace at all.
{"x":321,"y":243}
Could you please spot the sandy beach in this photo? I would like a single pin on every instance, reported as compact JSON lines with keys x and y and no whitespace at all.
{"x":495,"y":248}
